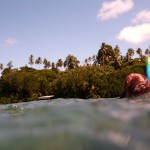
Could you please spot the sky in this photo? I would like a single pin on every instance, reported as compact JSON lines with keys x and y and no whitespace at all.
{"x":53,"y":29}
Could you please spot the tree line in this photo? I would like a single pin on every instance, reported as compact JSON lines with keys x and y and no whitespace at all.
{"x":101,"y":76}
{"x":107,"y":55}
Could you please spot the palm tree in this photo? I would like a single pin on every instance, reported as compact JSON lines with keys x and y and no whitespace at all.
{"x":116,"y":53}
{"x":86,"y":62}
{"x":94,"y":58}
{"x":90,"y":59}
{"x":105,"y":54}
{"x":101,"y":54}
{"x":139,"y":52}
{"x":71,"y":62}
{"x":147,"y":51}
{"x":130,"y":53}
{"x":38,"y":61}
{"x":1,"y":66}
{"x":116,"y":58}
{"x":10,"y":65}
{"x":53,"y":66}
{"x":59,"y":63}
{"x":46,"y":63}
{"x":31,"y":60}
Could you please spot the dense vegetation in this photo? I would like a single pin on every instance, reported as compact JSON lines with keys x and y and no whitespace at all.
{"x":102,"y":76}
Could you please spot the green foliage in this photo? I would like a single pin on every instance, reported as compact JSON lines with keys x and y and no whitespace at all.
{"x":80,"y":82}
{"x":25,"y":84}
{"x":93,"y":81}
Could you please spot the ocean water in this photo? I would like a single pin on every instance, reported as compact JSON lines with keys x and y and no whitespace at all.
{"x":76,"y":124}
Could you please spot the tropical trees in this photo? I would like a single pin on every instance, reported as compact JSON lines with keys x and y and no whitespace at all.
{"x":147,"y":51}
{"x":38,"y":61}
{"x":116,"y":53}
{"x":141,"y":56}
{"x":10,"y":65}
{"x":101,"y":55}
{"x":59,"y":63}
{"x":86,"y":62}
{"x":31,"y":60}
{"x":129,"y":54}
{"x":115,"y":59}
{"x":94,"y":58}
{"x":1,"y":66}
{"x":46,"y":63}
{"x":102,"y":80}
{"x":105,"y":54}
{"x":90,"y":61}
{"x":54,"y":67}
{"x":139,"y":52}
{"x":71,"y":62}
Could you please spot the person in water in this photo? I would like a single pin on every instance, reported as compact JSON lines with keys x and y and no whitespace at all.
{"x":136,"y":85}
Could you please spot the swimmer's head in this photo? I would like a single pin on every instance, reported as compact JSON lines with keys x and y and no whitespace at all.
{"x":136,"y":85}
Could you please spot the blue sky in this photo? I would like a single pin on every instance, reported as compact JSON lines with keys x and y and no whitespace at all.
{"x":53,"y":29}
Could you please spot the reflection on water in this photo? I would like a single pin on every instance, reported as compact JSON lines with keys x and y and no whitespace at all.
{"x":75,"y":124}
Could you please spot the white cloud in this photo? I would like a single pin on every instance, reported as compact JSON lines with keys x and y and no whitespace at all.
{"x":135,"y":34}
{"x":142,"y":17}
{"x":114,"y":8}
{"x":9,"y":42}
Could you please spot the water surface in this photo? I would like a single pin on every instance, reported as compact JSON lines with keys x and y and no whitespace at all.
{"x":75,"y":124}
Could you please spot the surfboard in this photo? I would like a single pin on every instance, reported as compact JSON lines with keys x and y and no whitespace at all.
{"x":48,"y":97}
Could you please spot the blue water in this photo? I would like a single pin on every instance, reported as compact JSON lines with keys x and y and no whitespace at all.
{"x":75,"y":124}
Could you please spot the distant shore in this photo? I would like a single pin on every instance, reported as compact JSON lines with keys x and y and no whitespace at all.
{"x":102,"y":76}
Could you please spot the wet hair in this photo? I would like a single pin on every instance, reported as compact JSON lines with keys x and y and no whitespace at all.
{"x":136,"y":85}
